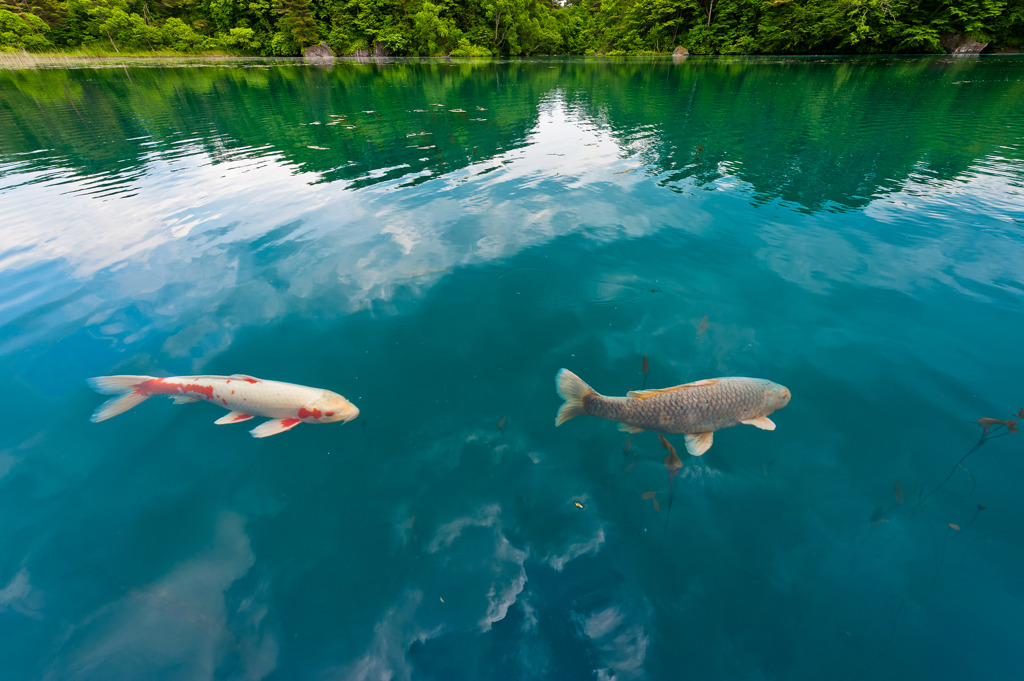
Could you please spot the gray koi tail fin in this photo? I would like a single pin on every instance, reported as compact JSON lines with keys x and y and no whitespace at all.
{"x":124,"y":388}
{"x":572,"y":389}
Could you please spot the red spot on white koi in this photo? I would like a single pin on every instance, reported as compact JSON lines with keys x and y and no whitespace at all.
{"x":242,"y":417}
{"x":158,"y":386}
{"x":306,"y":413}
{"x":288,"y":423}
{"x":250,"y":380}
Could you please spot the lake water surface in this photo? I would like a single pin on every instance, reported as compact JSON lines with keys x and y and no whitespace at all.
{"x":434,"y":241}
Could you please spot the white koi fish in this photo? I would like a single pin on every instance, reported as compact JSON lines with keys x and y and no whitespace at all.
{"x":286,"y":404}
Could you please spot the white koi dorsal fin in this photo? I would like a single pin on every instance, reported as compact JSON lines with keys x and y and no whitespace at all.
{"x":183,"y":399}
{"x":626,"y":428}
{"x":273,"y":427}
{"x":643,"y":394}
{"x":762,"y":422}
{"x":244,"y":377}
{"x":233,"y":417}
{"x":698,"y":443}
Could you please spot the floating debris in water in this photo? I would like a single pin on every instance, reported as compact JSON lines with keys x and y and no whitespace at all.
{"x":991,"y":429}
{"x":501,"y":424}
{"x":703,"y":325}
{"x":480,"y":108}
{"x":626,"y":172}
{"x":878,"y":517}
{"x":955,"y":526}
{"x":648,"y":495}
{"x":478,"y":119}
{"x":897,"y":492}
{"x":313,"y":146}
{"x":577,"y":504}
{"x":457,"y":110}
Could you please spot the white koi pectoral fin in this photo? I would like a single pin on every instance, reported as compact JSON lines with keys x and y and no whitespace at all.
{"x":698,"y":443}
{"x":184,"y":399}
{"x":762,"y":422}
{"x":233,"y":417}
{"x":273,"y":427}
{"x":626,"y":428}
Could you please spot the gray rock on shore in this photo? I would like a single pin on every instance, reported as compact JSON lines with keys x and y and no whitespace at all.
{"x":958,"y":44}
{"x":319,"y":52}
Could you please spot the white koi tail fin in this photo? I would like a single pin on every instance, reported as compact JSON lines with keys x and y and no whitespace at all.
{"x":572,"y":389}
{"x":124,"y":388}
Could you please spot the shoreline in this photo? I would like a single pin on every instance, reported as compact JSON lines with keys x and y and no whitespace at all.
{"x":30,"y":60}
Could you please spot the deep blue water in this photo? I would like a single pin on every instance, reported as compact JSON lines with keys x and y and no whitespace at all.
{"x":434,"y":241}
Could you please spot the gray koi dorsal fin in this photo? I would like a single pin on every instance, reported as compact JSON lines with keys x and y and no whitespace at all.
{"x":626,"y":428}
{"x":762,"y":422}
{"x":643,"y":394}
{"x":698,"y":443}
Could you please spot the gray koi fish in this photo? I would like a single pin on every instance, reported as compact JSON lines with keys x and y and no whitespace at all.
{"x":696,"y":409}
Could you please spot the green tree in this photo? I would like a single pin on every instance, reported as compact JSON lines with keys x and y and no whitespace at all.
{"x":296,"y":27}
{"x":433,"y":34}
{"x":23,"y":31}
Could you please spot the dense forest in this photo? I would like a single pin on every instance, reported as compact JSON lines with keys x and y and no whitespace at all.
{"x":507,"y":27}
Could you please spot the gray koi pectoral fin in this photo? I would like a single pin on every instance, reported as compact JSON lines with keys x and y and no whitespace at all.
{"x":762,"y":422}
{"x":233,"y":417}
{"x":698,"y":443}
{"x":626,"y":428}
{"x":273,"y":427}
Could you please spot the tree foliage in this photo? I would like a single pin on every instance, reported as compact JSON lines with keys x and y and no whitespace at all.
{"x":509,"y":27}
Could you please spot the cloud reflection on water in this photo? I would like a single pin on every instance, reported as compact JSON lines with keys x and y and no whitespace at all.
{"x":179,"y":626}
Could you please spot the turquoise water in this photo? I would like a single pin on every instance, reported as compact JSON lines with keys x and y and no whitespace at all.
{"x":434,"y":241}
